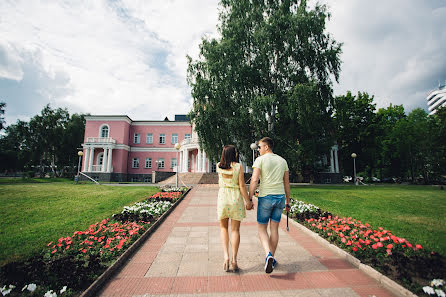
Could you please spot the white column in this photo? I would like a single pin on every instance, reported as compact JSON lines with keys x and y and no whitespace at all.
{"x":86,"y":158}
{"x":204,"y":162}
{"x":199,"y":161}
{"x":105,"y":160}
{"x":186,"y":160}
{"x":331,"y":161}
{"x":90,"y":162}
{"x":336,"y":160}
{"x":109,"y":160}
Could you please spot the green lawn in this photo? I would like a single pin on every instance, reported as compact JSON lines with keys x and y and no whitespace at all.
{"x":33,"y":214}
{"x":413,"y":212}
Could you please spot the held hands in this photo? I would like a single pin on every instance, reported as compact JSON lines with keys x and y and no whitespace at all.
{"x":249,"y":205}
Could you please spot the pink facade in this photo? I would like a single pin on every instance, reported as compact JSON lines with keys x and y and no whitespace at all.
{"x":116,"y":145}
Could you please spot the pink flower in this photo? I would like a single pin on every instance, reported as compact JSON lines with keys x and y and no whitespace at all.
{"x":379,"y":244}
{"x":390,"y":246}
{"x":374,"y":246}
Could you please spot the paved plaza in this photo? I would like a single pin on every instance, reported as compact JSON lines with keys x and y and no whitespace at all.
{"x":184,"y":257}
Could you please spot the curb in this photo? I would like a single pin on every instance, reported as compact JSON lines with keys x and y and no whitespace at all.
{"x":386,"y":282}
{"x":112,"y":269}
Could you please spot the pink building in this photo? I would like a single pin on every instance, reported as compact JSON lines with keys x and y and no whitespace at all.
{"x":116,"y":148}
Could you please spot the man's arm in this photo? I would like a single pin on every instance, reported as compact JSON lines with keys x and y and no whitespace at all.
{"x":286,"y":184}
{"x":254,"y":182}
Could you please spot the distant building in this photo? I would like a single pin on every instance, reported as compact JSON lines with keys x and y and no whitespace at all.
{"x":436,"y":99}
{"x":116,"y":148}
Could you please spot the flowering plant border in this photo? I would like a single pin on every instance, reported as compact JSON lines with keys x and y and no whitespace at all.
{"x":96,"y":253}
{"x":408,"y":264}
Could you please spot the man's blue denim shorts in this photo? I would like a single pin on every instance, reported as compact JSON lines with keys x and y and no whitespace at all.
{"x":270,"y":207}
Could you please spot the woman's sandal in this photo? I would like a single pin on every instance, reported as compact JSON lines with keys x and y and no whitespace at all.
{"x":235,"y":267}
{"x":226,"y":265}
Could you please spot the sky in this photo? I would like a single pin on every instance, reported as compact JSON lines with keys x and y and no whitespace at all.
{"x":128,"y":57}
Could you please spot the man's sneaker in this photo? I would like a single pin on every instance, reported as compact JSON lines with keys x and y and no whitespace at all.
{"x":274,"y":263}
{"x":269,"y":263}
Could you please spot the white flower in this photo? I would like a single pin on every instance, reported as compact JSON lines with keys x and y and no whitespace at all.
{"x":440,"y":293}
{"x":30,"y":287}
{"x":428,"y":290}
{"x":63,"y":289}
{"x":437,"y":283}
{"x":50,"y":293}
{"x":5,"y":291}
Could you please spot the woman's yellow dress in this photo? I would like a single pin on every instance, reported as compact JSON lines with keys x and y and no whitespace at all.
{"x":230,"y":200}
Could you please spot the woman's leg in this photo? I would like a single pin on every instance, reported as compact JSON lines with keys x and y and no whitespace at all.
{"x":224,"y":237}
{"x":235,"y":239}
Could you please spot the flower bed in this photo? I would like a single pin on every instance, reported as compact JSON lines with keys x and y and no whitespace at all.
{"x":405,"y":262}
{"x":72,"y":263}
{"x":144,"y":211}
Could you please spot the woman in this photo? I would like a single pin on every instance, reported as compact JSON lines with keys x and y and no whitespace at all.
{"x":230,"y":204}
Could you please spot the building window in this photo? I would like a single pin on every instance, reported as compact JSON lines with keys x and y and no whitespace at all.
{"x":148,"y":162}
{"x":187,"y":136}
{"x":149,"y":138}
{"x":136,"y":138}
{"x":173,"y":163}
{"x":162,"y":138}
{"x":148,"y":179}
{"x":135,"y":163}
{"x":134,"y":179}
{"x":214,"y":167}
{"x":104,"y":131}
{"x":174,"y":138}
{"x":160,"y":163}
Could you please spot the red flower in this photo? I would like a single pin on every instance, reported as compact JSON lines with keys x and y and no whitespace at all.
{"x":53,"y":251}
{"x":374,"y":246}
{"x":418,"y":247}
{"x":390,"y":246}
{"x":379,"y":244}
{"x":354,"y":249}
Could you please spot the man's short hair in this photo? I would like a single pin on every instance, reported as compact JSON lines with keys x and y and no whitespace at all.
{"x":269,"y":142}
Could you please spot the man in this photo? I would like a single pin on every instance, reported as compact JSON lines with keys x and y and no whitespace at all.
{"x":273,"y":197}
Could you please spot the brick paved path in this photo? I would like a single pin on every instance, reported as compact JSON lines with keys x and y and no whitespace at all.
{"x":184,"y":257}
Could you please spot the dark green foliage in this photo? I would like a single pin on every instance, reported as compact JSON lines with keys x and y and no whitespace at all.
{"x":50,"y":139}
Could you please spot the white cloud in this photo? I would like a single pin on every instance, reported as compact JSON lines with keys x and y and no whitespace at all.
{"x":129,"y":56}
{"x":392,"y":49}
{"x":120,"y":59}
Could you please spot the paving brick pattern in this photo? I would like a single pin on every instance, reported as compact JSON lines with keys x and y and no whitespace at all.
{"x":184,"y":257}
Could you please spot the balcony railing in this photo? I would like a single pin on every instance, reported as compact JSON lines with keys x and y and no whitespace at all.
{"x":98,"y":168}
{"x":100,"y":140}
{"x":188,"y":141}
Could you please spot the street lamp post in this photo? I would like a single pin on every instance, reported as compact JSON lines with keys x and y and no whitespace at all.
{"x":253,"y":146}
{"x":177,"y":147}
{"x":80,"y":154}
{"x":354,"y":168}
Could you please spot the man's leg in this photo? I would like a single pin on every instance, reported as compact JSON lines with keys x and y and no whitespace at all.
{"x":264,"y":237}
{"x":274,"y":236}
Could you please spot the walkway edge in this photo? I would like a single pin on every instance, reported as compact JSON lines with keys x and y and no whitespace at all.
{"x":112,"y":269}
{"x":386,"y":282}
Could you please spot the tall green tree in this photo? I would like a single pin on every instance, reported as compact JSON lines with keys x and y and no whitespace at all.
{"x":387,"y":159}
{"x":271,"y":56}
{"x":354,"y":118}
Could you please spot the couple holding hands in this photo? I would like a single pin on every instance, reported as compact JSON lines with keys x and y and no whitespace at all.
{"x":233,"y":199}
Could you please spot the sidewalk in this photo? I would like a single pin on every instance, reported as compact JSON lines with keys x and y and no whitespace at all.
{"x":184,"y":257}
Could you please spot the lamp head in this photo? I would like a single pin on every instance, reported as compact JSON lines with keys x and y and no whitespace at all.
{"x":80,"y":153}
{"x":253,"y":146}
{"x":354,"y":155}
{"x":177,"y":146}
